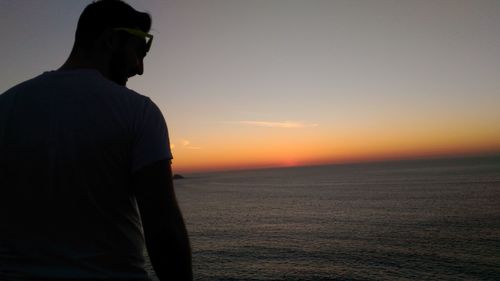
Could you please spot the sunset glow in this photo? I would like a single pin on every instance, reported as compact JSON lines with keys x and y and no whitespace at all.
{"x":283,"y":147}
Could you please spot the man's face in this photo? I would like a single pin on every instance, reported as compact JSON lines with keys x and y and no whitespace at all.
{"x":127,"y":60}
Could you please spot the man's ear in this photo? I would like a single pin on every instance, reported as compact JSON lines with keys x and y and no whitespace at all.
{"x":110,"y":40}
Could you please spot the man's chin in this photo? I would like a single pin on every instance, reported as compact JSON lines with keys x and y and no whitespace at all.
{"x":120,"y":81}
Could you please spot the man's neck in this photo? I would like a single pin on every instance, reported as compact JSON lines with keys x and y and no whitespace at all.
{"x":80,"y":60}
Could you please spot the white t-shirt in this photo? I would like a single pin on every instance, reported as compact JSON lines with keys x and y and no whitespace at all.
{"x":69,"y":144}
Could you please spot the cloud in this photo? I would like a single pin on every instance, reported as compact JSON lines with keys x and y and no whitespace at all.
{"x":193,"y":147}
{"x":285,"y":124}
{"x":187,"y":145}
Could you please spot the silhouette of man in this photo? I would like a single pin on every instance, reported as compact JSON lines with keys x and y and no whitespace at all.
{"x":81,"y":155}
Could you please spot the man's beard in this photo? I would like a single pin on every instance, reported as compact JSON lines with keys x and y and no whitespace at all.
{"x":118,"y":69}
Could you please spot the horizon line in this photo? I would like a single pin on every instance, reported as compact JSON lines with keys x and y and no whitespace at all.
{"x":492,"y":154}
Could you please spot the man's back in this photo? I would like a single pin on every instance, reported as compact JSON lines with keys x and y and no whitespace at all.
{"x":69,"y":142}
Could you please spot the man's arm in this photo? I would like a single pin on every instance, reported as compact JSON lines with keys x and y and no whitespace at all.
{"x":164,"y":229}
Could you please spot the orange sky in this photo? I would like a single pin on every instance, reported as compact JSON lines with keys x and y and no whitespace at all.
{"x":278,"y":147}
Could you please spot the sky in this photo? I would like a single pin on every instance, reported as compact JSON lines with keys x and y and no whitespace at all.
{"x":271,"y":83}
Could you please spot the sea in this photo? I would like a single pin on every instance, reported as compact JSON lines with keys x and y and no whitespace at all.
{"x":434,"y":219}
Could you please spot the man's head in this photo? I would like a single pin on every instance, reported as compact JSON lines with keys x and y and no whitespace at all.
{"x":112,"y":32}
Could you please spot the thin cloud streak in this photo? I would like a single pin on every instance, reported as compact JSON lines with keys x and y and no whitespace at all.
{"x":285,"y":124}
{"x":193,"y":147}
{"x":186,"y":144}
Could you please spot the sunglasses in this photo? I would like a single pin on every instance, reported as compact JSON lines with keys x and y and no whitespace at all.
{"x":139,"y":33}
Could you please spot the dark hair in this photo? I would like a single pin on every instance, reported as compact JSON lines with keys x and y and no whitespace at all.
{"x":103,"y":14}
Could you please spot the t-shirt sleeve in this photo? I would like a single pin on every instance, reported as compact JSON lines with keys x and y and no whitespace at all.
{"x":151,"y":137}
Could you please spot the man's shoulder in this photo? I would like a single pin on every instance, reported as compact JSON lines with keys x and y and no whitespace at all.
{"x":19,"y":87}
{"x":81,"y":84}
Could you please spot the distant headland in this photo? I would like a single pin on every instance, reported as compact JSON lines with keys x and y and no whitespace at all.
{"x":178,"y":177}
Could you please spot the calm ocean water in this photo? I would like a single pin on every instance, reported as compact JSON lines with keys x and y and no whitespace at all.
{"x":413,"y":220}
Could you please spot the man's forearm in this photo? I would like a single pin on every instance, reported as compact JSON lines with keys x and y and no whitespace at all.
{"x":164,"y":229}
{"x":170,"y":251}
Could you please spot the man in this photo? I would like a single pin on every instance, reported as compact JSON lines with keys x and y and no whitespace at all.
{"x":81,"y":155}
